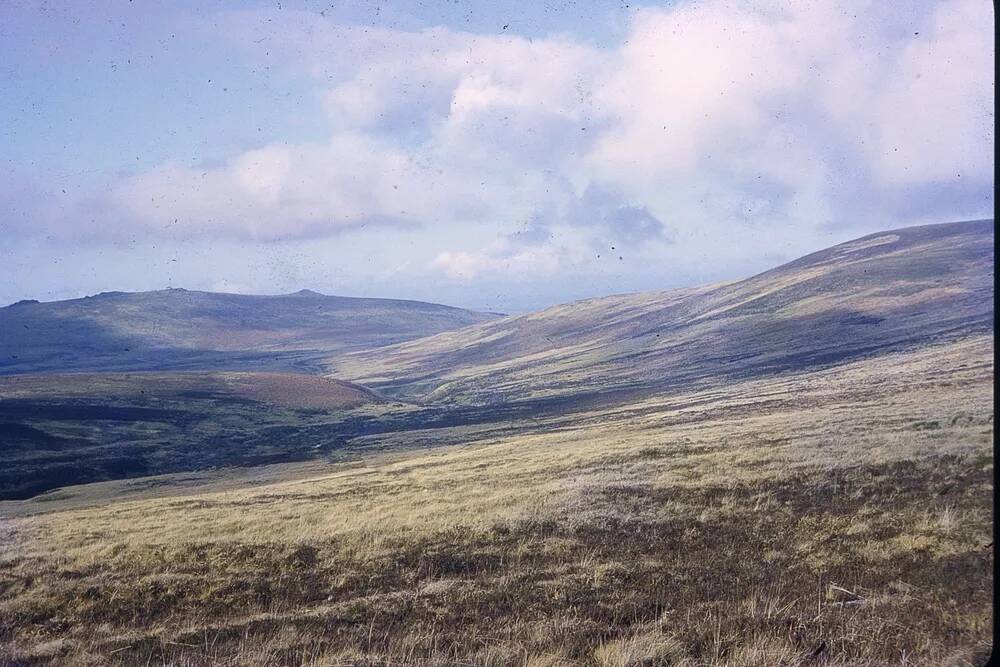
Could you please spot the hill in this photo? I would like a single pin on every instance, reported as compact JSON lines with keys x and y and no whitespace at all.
{"x":182,"y":329}
{"x":767,"y":472}
{"x":909,"y":289}
{"x":893,"y":290}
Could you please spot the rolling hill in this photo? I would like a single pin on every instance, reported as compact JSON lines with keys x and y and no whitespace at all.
{"x":767,"y":472}
{"x":844,"y":512}
{"x":889,"y":291}
{"x":181,"y":329}
{"x":212,"y":387}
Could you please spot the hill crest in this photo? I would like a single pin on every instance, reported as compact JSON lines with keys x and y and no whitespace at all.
{"x":889,"y":290}
{"x":175,"y":329}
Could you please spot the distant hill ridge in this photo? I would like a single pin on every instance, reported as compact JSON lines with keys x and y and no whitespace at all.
{"x":892,"y":289}
{"x":187,"y":329}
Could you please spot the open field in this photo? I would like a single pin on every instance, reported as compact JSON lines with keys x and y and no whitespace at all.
{"x":838,"y":516}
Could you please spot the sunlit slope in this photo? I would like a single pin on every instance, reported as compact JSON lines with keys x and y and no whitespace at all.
{"x":892,"y":290}
{"x":177,"y":329}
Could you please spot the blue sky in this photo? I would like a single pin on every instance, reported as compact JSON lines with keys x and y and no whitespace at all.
{"x":501,"y":155}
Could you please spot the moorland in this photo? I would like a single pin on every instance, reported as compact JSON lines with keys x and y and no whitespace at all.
{"x":791,"y":469}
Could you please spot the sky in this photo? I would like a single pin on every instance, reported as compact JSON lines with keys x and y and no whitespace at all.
{"x":503,"y":155}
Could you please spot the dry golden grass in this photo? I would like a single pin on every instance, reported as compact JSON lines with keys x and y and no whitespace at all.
{"x":840,"y":517}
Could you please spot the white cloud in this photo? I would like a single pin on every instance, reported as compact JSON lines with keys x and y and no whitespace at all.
{"x":709,"y":120}
{"x":934,"y":106}
{"x":507,"y":258}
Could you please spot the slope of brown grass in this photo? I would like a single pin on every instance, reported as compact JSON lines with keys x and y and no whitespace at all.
{"x":891,"y":291}
{"x":840,"y":517}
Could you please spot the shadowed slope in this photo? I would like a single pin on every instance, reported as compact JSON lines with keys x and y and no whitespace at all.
{"x":892,"y":290}
{"x":177,"y":328}
{"x":61,"y":429}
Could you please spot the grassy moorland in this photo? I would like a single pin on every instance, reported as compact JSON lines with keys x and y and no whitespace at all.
{"x":829,"y":516}
{"x":894,"y":291}
{"x":794,"y":469}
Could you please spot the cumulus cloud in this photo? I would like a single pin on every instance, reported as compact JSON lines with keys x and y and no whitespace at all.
{"x":797,"y":100}
{"x":705,"y":123}
{"x":602,"y":207}
{"x":503,"y":257}
{"x":933,"y":105}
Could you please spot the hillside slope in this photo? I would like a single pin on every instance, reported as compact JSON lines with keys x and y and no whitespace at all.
{"x":62,"y":429}
{"x":717,"y":528}
{"x":181,"y":329}
{"x":891,"y":290}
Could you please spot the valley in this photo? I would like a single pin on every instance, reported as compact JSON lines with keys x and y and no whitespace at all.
{"x":773,"y":471}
